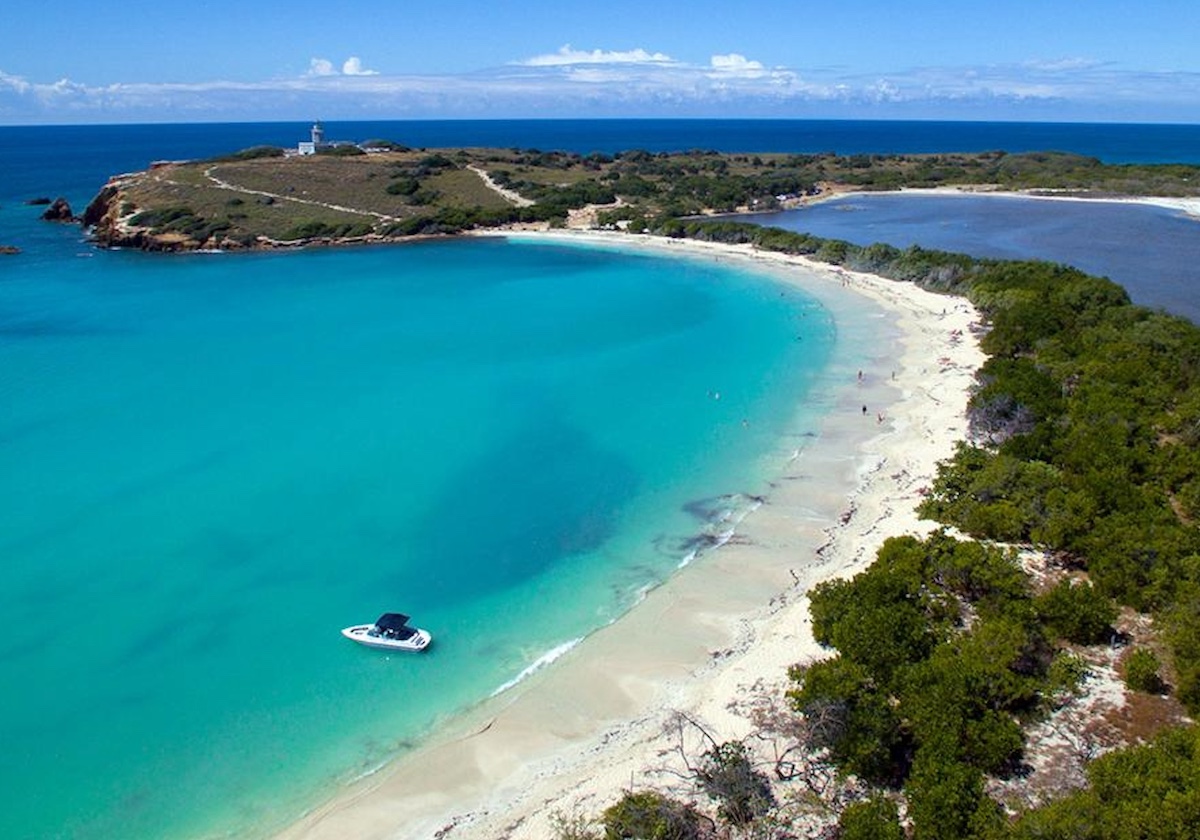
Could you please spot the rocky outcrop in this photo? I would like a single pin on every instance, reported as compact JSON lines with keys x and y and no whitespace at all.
{"x":109,"y":219}
{"x":59,"y":211}
{"x":102,"y":220}
{"x":102,"y":210}
{"x":9,"y":249}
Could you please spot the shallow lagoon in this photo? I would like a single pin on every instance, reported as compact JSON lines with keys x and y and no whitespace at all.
{"x":1154,"y":252}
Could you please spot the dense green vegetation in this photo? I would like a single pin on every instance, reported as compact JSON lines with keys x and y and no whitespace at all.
{"x":1150,"y":791}
{"x":1142,"y":671}
{"x":649,"y":815}
{"x":253,"y":153}
{"x":181,"y":220}
{"x":341,"y":151}
{"x":318,"y":230}
{"x":940,"y":656}
{"x":870,"y":819}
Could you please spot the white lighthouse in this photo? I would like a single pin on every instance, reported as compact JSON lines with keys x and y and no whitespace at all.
{"x":317,"y":142}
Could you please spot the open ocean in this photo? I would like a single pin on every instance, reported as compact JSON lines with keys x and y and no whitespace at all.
{"x":209,"y":464}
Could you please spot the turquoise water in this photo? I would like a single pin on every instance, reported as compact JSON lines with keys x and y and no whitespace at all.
{"x":210,"y":464}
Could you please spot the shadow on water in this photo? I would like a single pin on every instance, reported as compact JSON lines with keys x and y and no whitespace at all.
{"x":546,"y":494}
{"x":32,"y":327}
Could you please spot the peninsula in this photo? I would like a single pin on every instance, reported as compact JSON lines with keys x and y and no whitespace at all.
{"x":261,"y":198}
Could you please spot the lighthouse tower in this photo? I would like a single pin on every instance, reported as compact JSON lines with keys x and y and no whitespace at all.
{"x":311,"y":147}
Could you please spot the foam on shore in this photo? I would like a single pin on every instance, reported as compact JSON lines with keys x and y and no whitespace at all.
{"x":538,"y":664}
{"x":569,"y":738}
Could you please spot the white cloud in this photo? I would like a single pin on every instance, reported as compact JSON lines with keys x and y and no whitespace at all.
{"x":736,"y":64}
{"x":635,"y":82}
{"x":14,"y":83}
{"x":883,"y":91}
{"x":320,"y":67}
{"x":566,"y":56}
{"x":1062,"y":65}
{"x":353,"y":67}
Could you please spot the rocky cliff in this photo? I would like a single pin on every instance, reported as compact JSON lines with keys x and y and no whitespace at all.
{"x":113,"y":221}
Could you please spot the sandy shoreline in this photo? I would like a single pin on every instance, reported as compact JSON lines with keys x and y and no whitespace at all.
{"x":572,"y":737}
{"x":1187,"y":206}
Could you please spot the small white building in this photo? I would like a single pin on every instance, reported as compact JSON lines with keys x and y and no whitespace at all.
{"x":317,"y":142}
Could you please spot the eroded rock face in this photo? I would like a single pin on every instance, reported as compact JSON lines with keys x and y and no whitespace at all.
{"x":108,"y":220}
{"x":102,"y":207}
{"x":102,"y":219}
{"x":59,"y":211}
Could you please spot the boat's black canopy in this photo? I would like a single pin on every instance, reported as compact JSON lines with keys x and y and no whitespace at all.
{"x":391,"y":621}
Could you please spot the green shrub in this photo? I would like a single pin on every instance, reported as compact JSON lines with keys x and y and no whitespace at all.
{"x":574,"y":827}
{"x":1148,"y":791}
{"x":648,"y":815}
{"x":1077,"y":612}
{"x":435,"y":162}
{"x":161,"y":217}
{"x":425,"y":197}
{"x":1141,"y":671}
{"x":253,"y":153}
{"x":833,"y":251}
{"x":847,"y":714}
{"x":872,"y":819}
{"x":317,"y":230}
{"x":389,"y":145}
{"x":946,"y":799}
{"x":1065,"y":674}
{"x":346,"y":150}
{"x":403,"y":186}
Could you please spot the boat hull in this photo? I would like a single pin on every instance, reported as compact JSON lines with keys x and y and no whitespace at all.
{"x":415,"y":643}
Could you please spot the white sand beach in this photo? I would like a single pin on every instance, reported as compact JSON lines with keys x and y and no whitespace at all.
{"x":572,"y":737}
{"x":1189,"y":206}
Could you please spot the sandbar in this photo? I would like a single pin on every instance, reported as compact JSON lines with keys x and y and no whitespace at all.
{"x":1187,"y":205}
{"x":570,"y":738}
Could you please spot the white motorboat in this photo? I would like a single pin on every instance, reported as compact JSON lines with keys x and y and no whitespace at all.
{"x":390,"y":631}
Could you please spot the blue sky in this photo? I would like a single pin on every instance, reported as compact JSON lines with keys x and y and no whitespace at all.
{"x":80,"y":62}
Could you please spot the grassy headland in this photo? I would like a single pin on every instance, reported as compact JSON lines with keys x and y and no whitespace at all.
{"x":260,"y":198}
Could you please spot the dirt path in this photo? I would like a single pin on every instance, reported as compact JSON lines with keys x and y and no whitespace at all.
{"x":225,"y":185}
{"x":511,"y":196}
